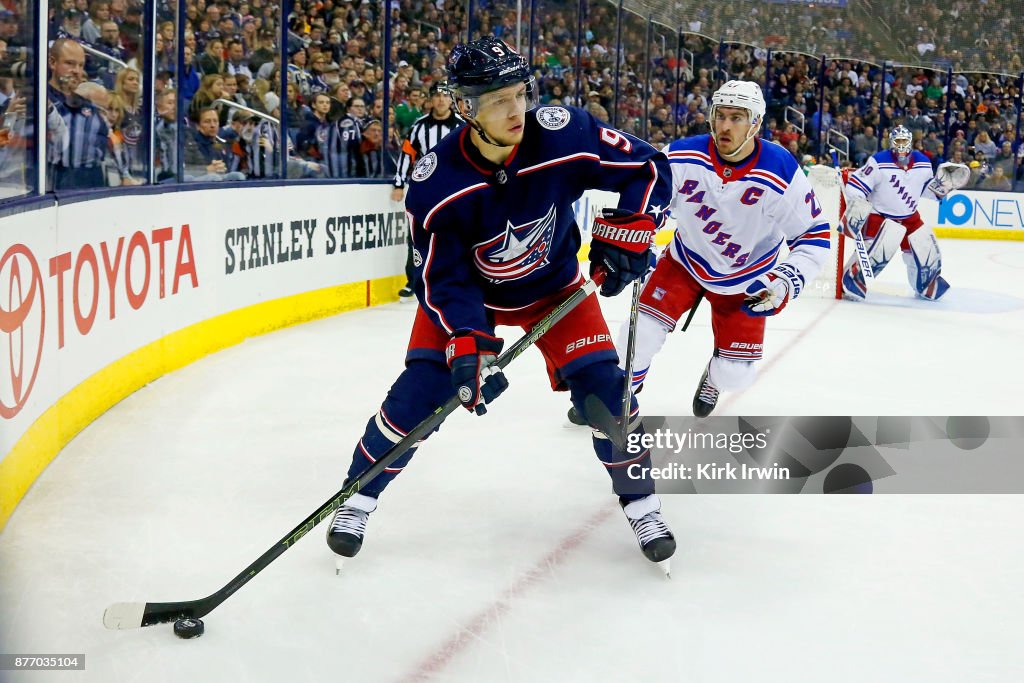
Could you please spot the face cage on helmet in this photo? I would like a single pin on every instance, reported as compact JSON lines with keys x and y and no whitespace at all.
{"x":471,"y":108}
{"x":902,"y":149}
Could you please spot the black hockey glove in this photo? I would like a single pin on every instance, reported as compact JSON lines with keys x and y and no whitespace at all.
{"x":471,"y":355}
{"x":620,"y":245}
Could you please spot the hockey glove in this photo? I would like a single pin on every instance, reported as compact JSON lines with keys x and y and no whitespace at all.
{"x":471,"y":355}
{"x":620,"y":246}
{"x":769,"y":294}
{"x":855,"y":216}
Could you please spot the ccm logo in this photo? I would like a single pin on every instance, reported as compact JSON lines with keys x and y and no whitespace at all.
{"x":587,"y":341}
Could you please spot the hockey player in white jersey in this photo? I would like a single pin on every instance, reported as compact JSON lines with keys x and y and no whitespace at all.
{"x":736,"y":201}
{"x":881,"y":205}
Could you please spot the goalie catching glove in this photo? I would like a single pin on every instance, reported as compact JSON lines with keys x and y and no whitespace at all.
{"x":471,"y":355}
{"x":620,"y":244}
{"x":769,"y":294}
{"x":949,"y":176}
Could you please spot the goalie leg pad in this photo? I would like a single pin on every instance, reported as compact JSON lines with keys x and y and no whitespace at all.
{"x":883,"y":244}
{"x":855,"y":287}
{"x":731,"y":375}
{"x":416,"y":393}
{"x":924,"y":265}
{"x":605,"y":381}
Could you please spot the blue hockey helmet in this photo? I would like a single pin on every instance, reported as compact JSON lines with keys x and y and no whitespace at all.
{"x":484,"y":65}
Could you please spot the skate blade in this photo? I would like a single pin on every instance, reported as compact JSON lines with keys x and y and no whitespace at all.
{"x":339,"y":564}
{"x":666,"y":566}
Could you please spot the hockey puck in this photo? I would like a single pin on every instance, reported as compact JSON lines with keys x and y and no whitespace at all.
{"x":189,"y":627}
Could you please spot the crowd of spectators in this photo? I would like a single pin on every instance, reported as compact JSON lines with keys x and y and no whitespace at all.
{"x":334,"y":100}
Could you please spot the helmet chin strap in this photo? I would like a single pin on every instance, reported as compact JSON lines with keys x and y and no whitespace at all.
{"x":735,"y":155}
{"x":483,"y":136}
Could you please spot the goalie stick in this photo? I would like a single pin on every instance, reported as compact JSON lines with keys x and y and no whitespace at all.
{"x":125,"y":615}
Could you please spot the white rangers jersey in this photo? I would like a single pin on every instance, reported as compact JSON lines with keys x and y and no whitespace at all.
{"x":731,"y":221}
{"x":893,"y":191}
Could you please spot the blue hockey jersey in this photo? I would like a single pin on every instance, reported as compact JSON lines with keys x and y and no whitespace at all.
{"x":503,"y":237}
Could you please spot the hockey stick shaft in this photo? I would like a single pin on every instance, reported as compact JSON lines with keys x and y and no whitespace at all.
{"x":862,"y":256}
{"x":627,"y":388}
{"x":693,"y":310}
{"x":125,"y":615}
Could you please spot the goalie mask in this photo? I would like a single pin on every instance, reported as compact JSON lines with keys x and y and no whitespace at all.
{"x":743,"y":95}
{"x":483,"y":66}
{"x":901,"y":143}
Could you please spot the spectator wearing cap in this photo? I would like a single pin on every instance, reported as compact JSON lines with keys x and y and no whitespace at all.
{"x":358,"y":88}
{"x":76,"y":132}
{"x":131,"y":29}
{"x":1004,"y":159}
{"x":70,"y":24}
{"x":264,"y":53}
{"x":297,"y":72}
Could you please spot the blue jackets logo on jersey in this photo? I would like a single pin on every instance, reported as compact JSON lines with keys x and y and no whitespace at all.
{"x":519,"y":251}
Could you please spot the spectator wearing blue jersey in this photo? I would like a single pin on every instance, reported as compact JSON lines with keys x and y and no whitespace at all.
{"x":76,"y":131}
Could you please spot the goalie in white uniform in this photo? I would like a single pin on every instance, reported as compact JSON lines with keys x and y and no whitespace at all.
{"x":881,"y":206}
{"x":736,"y":200}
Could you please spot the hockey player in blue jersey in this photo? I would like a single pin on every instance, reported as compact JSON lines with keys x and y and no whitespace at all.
{"x":495,"y":243}
{"x":736,"y":200}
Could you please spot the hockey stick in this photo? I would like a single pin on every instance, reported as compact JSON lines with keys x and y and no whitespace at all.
{"x":125,"y":615}
{"x":600,"y":417}
{"x":627,"y":385}
{"x":693,"y":310}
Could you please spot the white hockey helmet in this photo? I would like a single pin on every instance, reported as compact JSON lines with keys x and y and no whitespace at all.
{"x":744,"y":95}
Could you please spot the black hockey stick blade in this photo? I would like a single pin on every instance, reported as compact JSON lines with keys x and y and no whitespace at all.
{"x":125,"y":615}
{"x":602,"y":419}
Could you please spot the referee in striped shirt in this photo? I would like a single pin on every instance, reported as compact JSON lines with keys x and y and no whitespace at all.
{"x":426,"y":132}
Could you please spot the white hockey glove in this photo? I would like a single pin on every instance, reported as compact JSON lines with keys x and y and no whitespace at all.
{"x":856,"y":215}
{"x":949,"y":176}
{"x":769,"y":294}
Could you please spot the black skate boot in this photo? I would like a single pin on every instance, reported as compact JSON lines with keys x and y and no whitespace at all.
{"x":706,"y":397}
{"x":406,"y":295}
{"x":576,"y":418}
{"x":652,"y":533}
{"x":345,"y":534}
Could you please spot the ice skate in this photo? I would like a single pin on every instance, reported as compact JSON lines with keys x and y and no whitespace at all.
{"x":345,"y":534}
{"x":706,"y":398}
{"x":652,"y":533}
